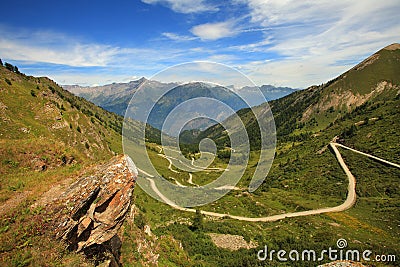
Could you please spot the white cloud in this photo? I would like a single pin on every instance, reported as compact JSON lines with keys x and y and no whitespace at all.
{"x":279,"y":12}
{"x":84,"y":79}
{"x":55,"y":48}
{"x":315,"y":42}
{"x":80,"y":55}
{"x":214,"y":31}
{"x":185,"y":6}
{"x":177,"y":37}
{"x":48,"y":47}
{"x":221,"y":58}
{"x":254,"y":47}
{"x":307,"y":28}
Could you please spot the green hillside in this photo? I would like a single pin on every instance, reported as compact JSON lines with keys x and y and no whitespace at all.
{"x":48,"y":137}
{"x":44,"y":126}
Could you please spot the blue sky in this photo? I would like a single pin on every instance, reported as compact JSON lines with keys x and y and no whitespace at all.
{"x":278,"y":42}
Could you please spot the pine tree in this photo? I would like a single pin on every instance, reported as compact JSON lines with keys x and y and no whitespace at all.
{"x":197,"y":221}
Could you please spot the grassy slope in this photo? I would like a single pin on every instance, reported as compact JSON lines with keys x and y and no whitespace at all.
{"x":44,"y":125}
{"x":47,"y":136}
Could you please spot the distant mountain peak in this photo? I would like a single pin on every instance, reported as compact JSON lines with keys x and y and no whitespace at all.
{"x":143,"y":79}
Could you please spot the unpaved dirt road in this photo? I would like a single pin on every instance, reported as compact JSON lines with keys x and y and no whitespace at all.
{"x":349,"y":202}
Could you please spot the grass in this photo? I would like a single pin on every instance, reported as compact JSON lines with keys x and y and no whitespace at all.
{"x":38,"y":150}
{"x":25,"y":240}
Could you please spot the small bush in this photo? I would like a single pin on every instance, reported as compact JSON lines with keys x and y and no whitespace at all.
{"x":33,"y":93}
{"x":140,"y":221}
{"x":8,"y":81}
{"x":10,"y":162}
{"x":9,"y":66}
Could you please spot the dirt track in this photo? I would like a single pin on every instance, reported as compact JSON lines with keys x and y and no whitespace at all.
{"x":349,"y":202}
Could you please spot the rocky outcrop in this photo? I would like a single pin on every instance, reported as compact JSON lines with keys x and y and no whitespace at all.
{"x":92,"y":210}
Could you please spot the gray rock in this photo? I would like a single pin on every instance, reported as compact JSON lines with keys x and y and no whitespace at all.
{"x":93,"y":210}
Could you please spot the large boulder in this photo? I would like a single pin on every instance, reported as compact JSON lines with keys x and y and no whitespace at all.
{"x":92,"y":210}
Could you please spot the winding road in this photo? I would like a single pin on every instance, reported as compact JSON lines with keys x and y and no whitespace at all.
{"x":348,"y":203}
{"x":170,"y":162}
{"x":190,"y":180}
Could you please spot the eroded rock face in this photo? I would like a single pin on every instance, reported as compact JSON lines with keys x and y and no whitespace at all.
{"x":94,"y":208}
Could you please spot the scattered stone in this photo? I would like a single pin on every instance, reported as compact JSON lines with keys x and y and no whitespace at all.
{"x":2,"y":106}
{"x":38,"y":164}
{"x":24,"y":130}
{"x":334,"y":224}
{"x":231,"y":242}
{"x":147,"y":230}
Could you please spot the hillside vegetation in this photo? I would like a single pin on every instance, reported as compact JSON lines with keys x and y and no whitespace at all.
{"x":48,"y":137}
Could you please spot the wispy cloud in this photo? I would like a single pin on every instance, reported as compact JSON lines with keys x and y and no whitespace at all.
{"x":315,"y":39}
{"x":49,"y":47}
{"x":328,"y":26}
{"x":55,"y":48}
{"x":214,"y":31}
{"x":185,"y":6}
{"x":178,"y":37}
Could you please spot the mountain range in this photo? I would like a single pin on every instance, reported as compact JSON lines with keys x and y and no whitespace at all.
{"x":116,"y":97}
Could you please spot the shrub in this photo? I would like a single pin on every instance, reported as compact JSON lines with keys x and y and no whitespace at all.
{"x":197,"y":221}
{"x":16,"y":70}
{"x":140,"y":221}
{"x":9,"y":67}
